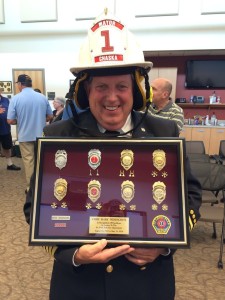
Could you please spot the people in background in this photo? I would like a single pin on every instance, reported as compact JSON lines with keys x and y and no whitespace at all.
{"x":162,"y":105}
{"x":30,"y":111}
{"x":58,"y":104}
{"x":5,"y":133}
{"x":71,"y":109}
{"x":108,"y":86}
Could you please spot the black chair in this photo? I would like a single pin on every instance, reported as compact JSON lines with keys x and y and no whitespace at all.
{"x":211,"y":176}
{"x":195,"y":150}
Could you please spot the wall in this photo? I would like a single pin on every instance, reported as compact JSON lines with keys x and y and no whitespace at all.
{"x":48,"y":34}
{"x":181,"y":91}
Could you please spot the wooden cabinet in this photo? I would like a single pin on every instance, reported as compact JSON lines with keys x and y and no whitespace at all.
{"x":201,"y":134}
{"x":186,"y":133}
{"x":210,"y":136}
{"x":217,"y":134}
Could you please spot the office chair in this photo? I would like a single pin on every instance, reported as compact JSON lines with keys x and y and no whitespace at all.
{"x":195,"y":150}
{"x":211,"y":177}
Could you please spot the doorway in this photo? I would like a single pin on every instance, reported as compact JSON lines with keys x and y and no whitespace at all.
{"x":37,"y":76}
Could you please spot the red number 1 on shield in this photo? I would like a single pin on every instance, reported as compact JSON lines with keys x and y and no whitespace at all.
{"x":107,"y":48}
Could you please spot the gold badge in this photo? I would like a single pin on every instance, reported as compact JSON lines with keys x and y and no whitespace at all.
{"x":60,"y":188}
{"x":161,"y":224}
{"x":159,"y":191}
{"x":127,"y":159}
{"x":159,"y":159}
{"x":127,"y":190}
{"x":94,"y":190}
{"x":60,"y":159}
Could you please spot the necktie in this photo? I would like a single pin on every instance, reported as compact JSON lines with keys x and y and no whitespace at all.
{"x":112,"y":133}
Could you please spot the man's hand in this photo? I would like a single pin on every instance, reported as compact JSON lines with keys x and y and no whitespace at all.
{"x":143,"y":256}
{"x":97,"y":253}
{"x":2,"y":110}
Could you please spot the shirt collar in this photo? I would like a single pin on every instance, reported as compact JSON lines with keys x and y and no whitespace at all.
{"x":126,"y":127}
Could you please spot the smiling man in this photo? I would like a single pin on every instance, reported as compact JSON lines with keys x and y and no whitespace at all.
{"x":111,"y":94}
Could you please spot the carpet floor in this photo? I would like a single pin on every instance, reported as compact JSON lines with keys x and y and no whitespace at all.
{"x":25,"y":271}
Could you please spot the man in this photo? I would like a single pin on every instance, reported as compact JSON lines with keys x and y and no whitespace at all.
{"x":162,"y":105}
{"x":108,"y":82}
{"x":5,"y":133}
{"x":29,"y":110}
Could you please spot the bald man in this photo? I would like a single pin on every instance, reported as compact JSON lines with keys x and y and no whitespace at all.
{"x":162,"y":104}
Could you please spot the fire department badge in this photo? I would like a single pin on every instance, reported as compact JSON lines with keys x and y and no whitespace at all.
{"x":94,"y":190}
{"x":127,"y":159}
{"x":94,"y":158}
{"x":60,"y":188}
{"x":159,"y":159}
{"x":60,"y":159}
{"x":161,"y":224}
{"x":127,"y":190}
{"x":159,"y":191}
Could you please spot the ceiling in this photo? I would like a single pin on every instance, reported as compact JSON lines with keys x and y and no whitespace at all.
{"x":184,"y":52}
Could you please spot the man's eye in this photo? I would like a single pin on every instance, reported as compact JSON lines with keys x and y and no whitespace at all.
{"x":122,"y":87}
{"x":101,"y":87}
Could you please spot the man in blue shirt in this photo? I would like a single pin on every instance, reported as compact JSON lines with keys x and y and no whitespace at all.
{"x":5,"y":133}
{"x":30,"y":110}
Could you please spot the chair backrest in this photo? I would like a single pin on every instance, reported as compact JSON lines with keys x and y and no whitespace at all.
{"x":211,"y":176}
{"x":222,"y":149}
{"x":197,"y":147}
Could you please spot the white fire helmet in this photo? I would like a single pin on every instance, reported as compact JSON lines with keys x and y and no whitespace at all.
{"x":111,"y":49}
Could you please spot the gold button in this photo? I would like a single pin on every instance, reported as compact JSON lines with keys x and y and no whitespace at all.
{"x":193,"y":216}
{"x":109,"y":268}
{"x":143,"y":268}
{"x":191,"y":212}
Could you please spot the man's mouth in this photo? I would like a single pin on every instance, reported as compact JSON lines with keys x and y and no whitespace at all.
{"x":111,"y":108}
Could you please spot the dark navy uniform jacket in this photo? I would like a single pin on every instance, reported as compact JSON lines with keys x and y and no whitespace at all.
{"x":118,"y":279}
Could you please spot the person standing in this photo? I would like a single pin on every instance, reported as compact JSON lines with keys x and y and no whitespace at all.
{"x":5,"y":133}
{"x":162,"y":104}
{"x":58,"y":104}
{"x":108,"y":87}
{"x":29,"y":110}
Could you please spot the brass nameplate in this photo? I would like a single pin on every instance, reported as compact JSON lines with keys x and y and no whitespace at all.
{"x":108,"y":225}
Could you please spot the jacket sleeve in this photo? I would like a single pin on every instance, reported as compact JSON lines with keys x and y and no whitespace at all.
{"x":194,"y":192}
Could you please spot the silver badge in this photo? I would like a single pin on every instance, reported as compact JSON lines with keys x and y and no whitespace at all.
{"x":60,"y":159}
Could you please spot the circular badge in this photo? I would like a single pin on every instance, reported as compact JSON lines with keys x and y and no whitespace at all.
{"x":161,"y":224}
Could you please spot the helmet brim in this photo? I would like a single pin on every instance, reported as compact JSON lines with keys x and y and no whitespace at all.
{"x":146,"y":65}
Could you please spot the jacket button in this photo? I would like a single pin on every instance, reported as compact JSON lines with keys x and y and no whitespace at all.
{"x":143,"y":268}
{"x":109,"y":268}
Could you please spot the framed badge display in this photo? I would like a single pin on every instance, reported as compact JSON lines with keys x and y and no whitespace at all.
{"x":130,"y":191}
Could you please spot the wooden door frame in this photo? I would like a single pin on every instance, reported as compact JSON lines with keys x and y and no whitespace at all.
{"x":22,"y":71}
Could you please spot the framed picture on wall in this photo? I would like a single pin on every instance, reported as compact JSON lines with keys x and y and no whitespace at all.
{"x":6,"y":86}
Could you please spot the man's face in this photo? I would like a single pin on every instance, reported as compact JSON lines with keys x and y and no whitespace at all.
{"x":111,"y":100}
{"x":157,"y":91}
